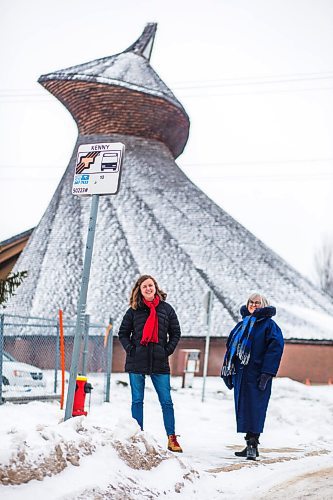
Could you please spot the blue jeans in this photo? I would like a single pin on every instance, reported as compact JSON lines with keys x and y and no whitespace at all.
{"x":161,"y":383}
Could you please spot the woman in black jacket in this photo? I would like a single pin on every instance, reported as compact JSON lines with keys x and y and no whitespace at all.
{"x":149,"y":333}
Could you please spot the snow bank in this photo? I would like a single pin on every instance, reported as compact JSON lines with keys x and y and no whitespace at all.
{"x":105,"y":455}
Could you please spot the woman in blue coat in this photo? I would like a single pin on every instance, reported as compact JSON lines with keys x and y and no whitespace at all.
{"x":254,"y":351}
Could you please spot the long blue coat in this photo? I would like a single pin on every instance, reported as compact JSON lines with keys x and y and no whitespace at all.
{"x":266,"y":352}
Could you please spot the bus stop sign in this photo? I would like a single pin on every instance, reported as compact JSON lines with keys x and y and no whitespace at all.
{"x":98,"y":168}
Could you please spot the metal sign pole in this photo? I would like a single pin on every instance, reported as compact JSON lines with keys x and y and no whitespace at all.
{"x":81,"y":308}
{"x":85,"y":344}
{"x":109,"y":362}
{"x":209,"y":302}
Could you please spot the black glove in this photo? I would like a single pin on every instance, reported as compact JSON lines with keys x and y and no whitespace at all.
{"x":263,"y":380}
{"x":227,"y":379}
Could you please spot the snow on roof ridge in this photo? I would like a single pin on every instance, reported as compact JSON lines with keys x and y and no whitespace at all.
{"x":130,"y":68}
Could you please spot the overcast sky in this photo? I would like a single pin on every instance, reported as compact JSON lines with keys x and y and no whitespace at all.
{"x":255,"y":77}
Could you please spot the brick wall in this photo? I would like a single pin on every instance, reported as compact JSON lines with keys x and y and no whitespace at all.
{"x":300,"y":362}
{"x":109,"y":109}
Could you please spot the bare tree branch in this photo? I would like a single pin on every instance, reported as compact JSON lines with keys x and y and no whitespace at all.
{"x":323,"y":261}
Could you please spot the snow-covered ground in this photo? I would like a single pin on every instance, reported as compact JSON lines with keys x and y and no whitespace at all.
{"x":104,"y":455}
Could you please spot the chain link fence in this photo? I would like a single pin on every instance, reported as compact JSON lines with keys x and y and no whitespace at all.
{"x":30,"y":357}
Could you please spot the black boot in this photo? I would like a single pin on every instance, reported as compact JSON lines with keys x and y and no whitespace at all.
{"x":243,"y":452}
{"x":252,"y":449}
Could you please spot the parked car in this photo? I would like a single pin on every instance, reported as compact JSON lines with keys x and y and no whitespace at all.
{"x":15,"y":373}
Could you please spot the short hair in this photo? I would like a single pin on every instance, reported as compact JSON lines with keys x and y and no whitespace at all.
{"x":253,"y":296}
{"x":136,"y":298}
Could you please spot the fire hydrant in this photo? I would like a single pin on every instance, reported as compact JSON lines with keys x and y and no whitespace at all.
{"x":82,"y":388}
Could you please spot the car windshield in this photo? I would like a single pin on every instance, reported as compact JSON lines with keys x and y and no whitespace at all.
{"x":7,"y":357}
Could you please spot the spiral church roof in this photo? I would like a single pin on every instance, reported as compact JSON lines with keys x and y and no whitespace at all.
{"x":122,"y":94}
{"x":159,"y":223}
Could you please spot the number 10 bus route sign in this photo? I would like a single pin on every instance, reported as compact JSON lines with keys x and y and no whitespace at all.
{"x":98,"y":168}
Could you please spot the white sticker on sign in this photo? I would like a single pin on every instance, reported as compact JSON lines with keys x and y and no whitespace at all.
{"x":98,"y":168}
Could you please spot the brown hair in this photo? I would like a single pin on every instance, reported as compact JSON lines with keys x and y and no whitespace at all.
{"x":136,"y":299}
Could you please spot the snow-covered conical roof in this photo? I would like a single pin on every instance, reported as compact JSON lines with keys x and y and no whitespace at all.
{"x":159,"y":223}
{"x":122,"y":94}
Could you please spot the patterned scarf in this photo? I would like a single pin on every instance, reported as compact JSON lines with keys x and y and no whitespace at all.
{"x":150,"y":330}
{"x":239,"y":345}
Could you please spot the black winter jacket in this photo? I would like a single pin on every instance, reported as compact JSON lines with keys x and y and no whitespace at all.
{"x":152,"y":358}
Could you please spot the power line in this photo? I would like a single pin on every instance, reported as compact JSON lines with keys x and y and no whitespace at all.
{"x":253,"y":92}
{"x":186,"y":96}
{"x":223,"y":175}
{"x":197,"y":164}
{"x":17,"y":95}
{"x":301,"y":177}
{"x":264,"y":79}
{"x":309,"y":75}
{"x":269,"y":177}
{"x":44,"y":167}
{"x":255,"y":82}
{"x":29,"y":179}
{"x":258,"y":162}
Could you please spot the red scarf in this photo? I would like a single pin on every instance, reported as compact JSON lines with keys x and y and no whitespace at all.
{"x":150,"y":330}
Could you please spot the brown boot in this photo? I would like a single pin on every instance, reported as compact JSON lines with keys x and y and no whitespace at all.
{"x":173,"y":444}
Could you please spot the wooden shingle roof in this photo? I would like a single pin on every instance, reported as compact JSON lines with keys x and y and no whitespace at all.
{"x":122,"y":94}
